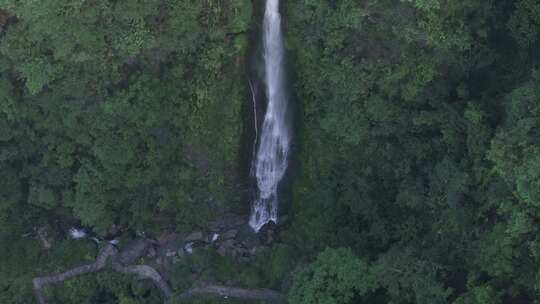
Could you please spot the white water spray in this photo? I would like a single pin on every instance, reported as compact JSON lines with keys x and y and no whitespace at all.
{"x":271,"y":160}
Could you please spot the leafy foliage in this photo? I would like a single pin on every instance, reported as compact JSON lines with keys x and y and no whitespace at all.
{"x":416,"y":165}
{"x":416,"y":148}
{"x":336,"y":277}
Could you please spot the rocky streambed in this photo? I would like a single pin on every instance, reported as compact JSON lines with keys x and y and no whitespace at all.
{"x":229,"y":236}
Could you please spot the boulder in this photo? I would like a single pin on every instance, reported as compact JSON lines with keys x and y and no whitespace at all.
{"x":133,"y":250}
{"x":222,"y":251}
{"x":241,"y":252}
{"x":228,"y":244}
{"x":195,"y":236}
{"x":251,"y":241}
{"x":255,"y":250}
{"x":230,"y":234}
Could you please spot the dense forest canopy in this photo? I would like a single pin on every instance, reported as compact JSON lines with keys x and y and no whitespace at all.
{"x":415,"y":174}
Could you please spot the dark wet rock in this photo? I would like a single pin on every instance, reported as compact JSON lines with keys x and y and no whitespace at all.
{"x":227,"y":222}
{"x":230,"y":234}
{"x":239,"y":221}
{"x":134,"y":249}
{"x":251,"y":241}
{"x":241,"y":252}
{"x":266,"y":227}
{"x":173,"y":245}
{"x":216,"y":225}
{"x":222,"y":251}
{"x":283,"y":220}
{"x":257,"y":249}
{"x":245,"y":232}
{"x":228,"y":244}
{"x":195,"y":236}
{"x":269,"y":237}
{"x":114,"y":230}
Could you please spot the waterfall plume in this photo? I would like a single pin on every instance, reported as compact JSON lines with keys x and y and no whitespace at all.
{"x":271,"y":159}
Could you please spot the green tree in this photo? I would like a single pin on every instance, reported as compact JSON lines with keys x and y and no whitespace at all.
{"x":336,"y":277}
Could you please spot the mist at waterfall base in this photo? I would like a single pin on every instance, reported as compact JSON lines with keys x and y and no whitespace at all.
{"x":271,"y":159}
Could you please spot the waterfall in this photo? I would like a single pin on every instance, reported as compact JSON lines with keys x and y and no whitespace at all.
{"x":270,"y":162}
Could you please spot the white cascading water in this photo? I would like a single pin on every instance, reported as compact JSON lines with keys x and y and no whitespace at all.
{"x":271,"y":159}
